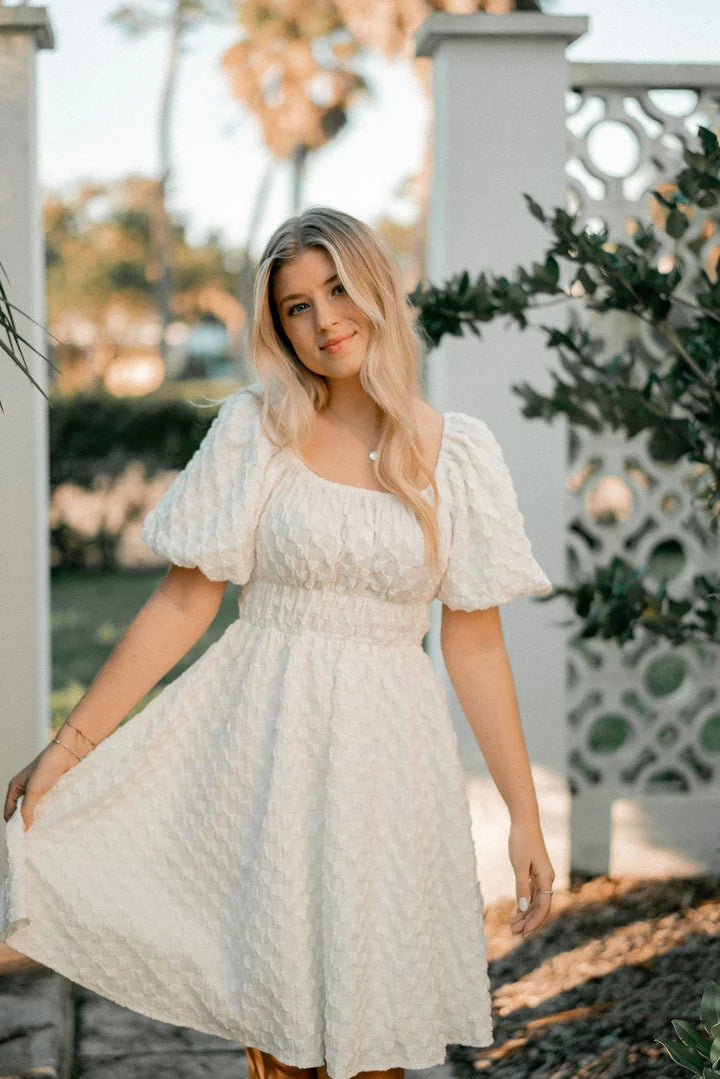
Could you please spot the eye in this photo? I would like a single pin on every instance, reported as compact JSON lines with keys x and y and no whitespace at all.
{"x":340,"y":288}
{"x":294,"y":308}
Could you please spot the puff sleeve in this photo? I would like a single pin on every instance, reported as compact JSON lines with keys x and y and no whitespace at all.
{"x":490,"y":559}
{"x":208,"y":515}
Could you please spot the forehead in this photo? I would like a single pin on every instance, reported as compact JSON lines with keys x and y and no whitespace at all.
{"x":308,"y":270}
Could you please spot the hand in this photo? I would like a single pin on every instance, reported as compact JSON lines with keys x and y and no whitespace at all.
{"x":534,"y":876}
{"x":36,"y":779}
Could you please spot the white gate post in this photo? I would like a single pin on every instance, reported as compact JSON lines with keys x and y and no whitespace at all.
{"x":499,"y":84}
{"x":24,"y":570}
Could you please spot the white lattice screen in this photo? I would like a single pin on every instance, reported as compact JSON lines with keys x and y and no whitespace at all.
{"x":645,"y":719}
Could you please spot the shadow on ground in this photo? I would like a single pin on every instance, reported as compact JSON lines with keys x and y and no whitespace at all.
{"x":588,"y":994}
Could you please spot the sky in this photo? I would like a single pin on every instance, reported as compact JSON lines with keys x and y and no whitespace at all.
{"x":99,"y":92}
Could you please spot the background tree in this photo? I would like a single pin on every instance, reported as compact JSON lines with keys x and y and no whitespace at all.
{"x":179,"y":17}
{"x":100,"y":287}
{"x":295,"y":66}
{"x":293,"y":70}
{"x":296,"y":69}
{"x":676,"y":402}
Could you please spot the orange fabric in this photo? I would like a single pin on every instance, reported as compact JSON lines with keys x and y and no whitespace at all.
{"x":263,"y":1065}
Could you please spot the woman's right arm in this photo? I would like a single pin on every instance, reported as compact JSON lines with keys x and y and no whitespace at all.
{"x":163,"y":631}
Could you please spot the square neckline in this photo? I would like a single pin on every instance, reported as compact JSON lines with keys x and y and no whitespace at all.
{"x":374,"y":490}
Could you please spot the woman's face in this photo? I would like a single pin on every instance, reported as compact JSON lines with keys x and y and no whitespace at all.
{"x":329,"y":332}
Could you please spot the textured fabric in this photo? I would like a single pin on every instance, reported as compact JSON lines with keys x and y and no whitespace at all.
{"x":490,"y":560}
{"x":278,"y":848}
{"x":208,"y":515}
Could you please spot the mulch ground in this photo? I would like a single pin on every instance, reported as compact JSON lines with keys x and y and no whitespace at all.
{"x":586,"y":996}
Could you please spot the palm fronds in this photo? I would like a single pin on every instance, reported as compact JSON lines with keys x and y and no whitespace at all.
{"x":12,"y":341}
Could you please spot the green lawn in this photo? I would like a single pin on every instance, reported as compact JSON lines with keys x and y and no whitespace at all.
{"x":90,"y":612}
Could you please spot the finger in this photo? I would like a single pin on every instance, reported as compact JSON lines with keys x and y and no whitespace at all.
{"x":523,"y":892}
{"x":13,"y":793}
{"x":519,"y":921}
{"x":536,"y":919}
{"x":518,"y":916}
{"x":539,"y":910}
{"x":542,"y":892}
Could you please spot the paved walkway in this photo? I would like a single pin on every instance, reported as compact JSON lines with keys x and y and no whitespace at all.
{"x":52,"y":1028}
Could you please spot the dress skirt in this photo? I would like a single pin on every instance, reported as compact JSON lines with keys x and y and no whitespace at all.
{"x":277,"y":849}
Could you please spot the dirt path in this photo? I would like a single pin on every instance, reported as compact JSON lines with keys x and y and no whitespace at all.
{"x":586,"y":996}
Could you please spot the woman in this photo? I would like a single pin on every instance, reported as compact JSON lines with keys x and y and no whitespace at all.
{"x":278,"y":848}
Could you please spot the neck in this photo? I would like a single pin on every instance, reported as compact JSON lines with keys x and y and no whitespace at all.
{"x":350,"y":402}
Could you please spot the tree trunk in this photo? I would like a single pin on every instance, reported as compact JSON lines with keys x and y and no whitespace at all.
{"x":161,"y":221}
{"x":299,"y":158}
{"x":246,"y":272}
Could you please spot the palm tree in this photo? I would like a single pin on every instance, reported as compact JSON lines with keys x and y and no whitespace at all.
{"x":293,"y":69}
{"x":180,"y":16}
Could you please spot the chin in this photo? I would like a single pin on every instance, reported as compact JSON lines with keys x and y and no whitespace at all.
{"x":346,"y":371}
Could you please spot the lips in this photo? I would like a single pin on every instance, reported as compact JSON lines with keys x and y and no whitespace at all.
{"x":336,"y":341}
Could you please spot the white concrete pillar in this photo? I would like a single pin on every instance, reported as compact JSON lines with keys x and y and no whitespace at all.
{"x":499,"y":84}
{"x":24,"y":569}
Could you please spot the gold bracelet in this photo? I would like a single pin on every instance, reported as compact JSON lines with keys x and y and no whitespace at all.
{"x":67,"y":748}
{"x":69,"y":724}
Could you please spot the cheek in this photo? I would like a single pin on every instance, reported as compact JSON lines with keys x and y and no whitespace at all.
{"x":359,"y":317}
{"x":290,"y":326}
{"x":299,"y":335}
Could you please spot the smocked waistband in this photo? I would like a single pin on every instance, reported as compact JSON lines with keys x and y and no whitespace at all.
{"x":294,"y":609}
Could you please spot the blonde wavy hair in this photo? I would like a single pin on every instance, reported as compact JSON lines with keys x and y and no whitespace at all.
{"x":390,"y":370}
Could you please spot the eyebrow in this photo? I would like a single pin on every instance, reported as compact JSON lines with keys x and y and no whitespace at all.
{"x":299,"y":295}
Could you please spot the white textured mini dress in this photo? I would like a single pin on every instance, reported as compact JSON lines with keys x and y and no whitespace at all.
{"x":278,"y":848}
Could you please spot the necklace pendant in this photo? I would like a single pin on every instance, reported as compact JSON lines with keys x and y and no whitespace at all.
{"x":372,"y":455}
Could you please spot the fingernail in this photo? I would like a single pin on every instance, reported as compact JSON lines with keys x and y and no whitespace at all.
{"x":522,"y":903}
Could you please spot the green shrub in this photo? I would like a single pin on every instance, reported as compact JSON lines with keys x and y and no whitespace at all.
{"x":70,"y":549}
{"x":674,"y":400}
{"x":698,"y":1051}
{"x":97,"y":434}
{"x":95,"y":440}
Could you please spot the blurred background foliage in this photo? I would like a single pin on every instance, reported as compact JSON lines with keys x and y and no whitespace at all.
{"x":131,"y":303}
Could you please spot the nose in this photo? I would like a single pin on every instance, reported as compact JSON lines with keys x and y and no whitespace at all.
{"x":325,"y":314}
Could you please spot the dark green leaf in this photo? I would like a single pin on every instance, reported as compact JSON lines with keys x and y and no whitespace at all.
{"x":710,"y":1006}
{"x":683,"y":1056}
{"x":676,"y":224}
{"x":535,"y":209}
{"x":586,"y":281}
{"x":553,"y":267}
{"x":708,"y":139}
{"x":689,"y":1035}
{"x":715,"y":1051}
{"x":669,"y":204}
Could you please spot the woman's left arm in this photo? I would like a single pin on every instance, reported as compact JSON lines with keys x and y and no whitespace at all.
{"x":477,"y":663}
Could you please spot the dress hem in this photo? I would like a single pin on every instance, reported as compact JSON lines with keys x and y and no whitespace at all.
{"x":413,"y":1062}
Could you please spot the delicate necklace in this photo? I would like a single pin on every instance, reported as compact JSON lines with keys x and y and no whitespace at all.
{"x":373,"y":453}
